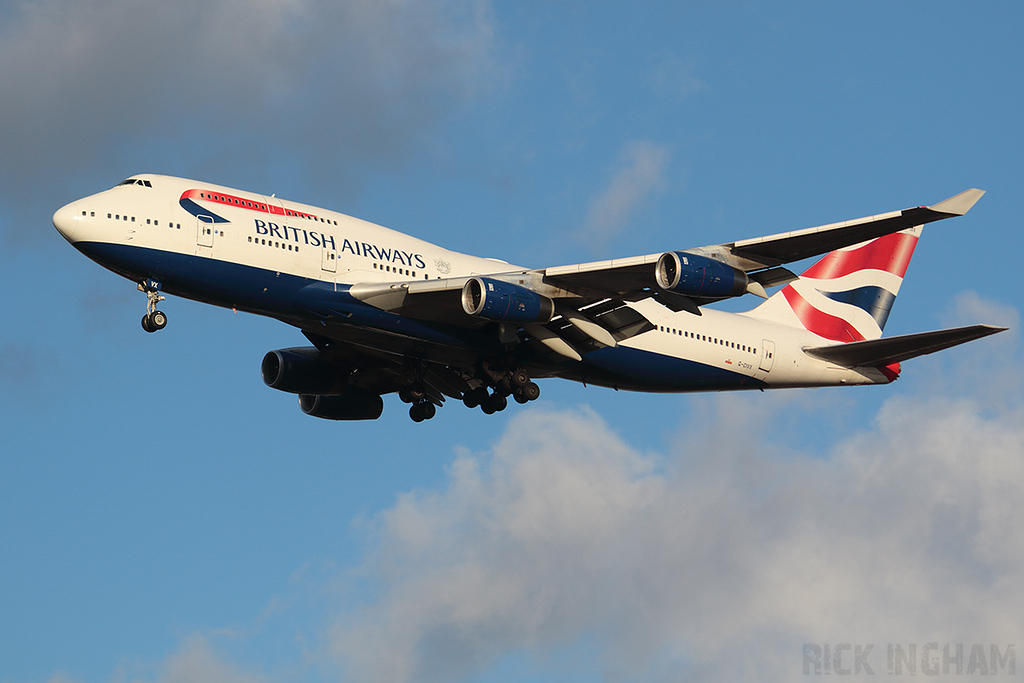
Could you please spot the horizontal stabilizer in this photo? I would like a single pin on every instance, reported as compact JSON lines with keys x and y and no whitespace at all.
{"x":879,"y":352}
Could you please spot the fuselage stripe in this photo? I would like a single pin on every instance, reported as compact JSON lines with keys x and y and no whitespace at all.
{"x":242,"y":203}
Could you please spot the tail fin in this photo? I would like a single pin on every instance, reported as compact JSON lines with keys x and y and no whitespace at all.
{"x":847,"y":295}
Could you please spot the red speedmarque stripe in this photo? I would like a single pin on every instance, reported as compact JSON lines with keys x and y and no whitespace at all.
{"x":890,"y":253}
{"x":820,"y":323}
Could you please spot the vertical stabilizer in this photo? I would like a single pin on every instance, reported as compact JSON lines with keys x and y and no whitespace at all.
{"x":847,"y":295}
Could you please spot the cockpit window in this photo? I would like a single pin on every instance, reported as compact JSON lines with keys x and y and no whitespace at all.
{"x":136,"y":181}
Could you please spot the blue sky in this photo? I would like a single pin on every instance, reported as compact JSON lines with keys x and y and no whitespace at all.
{"x":165,"y":517}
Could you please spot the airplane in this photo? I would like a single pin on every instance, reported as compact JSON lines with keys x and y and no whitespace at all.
{"x":388,"y":313}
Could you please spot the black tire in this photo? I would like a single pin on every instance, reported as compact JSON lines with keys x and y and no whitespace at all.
{"x":474,"y":397}
{"x":158,"y":320}
{"x":519,"y":397}
{"x":147,"y":325}
{"x":428,"y":410}
{"x":416,"y":413}
{"x":519,"y":378}
{"x":488,"y":406}
{"x":500,"y":402}
{"x":531,"y":391}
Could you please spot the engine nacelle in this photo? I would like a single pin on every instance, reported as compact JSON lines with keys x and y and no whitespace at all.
{"x":693,"y":275}
{"x":491,"y":299}
{"x":353,"y":404}
{"x":301,"y":371}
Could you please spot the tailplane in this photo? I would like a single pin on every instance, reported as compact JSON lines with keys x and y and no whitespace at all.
{"x":884,"y":352}
{"x":848,"y":294}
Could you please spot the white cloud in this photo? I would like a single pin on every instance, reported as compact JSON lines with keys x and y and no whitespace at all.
{"x":639,"y":175}
{"x":196,"y":662}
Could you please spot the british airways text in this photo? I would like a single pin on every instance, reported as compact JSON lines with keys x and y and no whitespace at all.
{"x":318,"y":239}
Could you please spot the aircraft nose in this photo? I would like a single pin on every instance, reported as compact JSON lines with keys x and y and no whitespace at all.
{"x":66,"y":221}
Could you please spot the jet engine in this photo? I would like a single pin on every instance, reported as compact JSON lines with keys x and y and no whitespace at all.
{"x":505,"y":302}
{"x":301,"y":371}
{"x":353,"y":404}
{"x":693,"y":275}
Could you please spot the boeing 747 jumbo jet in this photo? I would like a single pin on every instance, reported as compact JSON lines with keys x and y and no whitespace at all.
{"x":389,"y":313}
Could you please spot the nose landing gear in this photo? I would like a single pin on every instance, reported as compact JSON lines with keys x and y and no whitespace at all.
{"x":153,"y":320}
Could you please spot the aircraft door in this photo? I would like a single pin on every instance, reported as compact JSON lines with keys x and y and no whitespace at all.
{"x":204,"y":230}
{"x":329,"y":260}
{"x":767,"y":354}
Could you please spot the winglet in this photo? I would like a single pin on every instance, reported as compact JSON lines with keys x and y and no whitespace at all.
{"x":959,"y":204}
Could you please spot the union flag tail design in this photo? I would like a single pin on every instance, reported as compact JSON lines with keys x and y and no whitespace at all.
{"x":847,"y":295}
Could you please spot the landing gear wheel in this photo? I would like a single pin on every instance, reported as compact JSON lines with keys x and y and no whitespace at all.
{"x":153,"y":320}
{"x":530,"y":392}
{"x":519,"y":378}
{"x":474,"y":397}
{"x":422,"y":411}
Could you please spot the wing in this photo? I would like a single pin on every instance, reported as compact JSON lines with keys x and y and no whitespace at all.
{"x":759,"y":257}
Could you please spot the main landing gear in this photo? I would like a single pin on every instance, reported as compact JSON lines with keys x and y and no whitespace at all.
{"x":515,"y":383}
{"x":422,"y":407}
{"x":495,"y":384}
{"x":153,"y":320}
